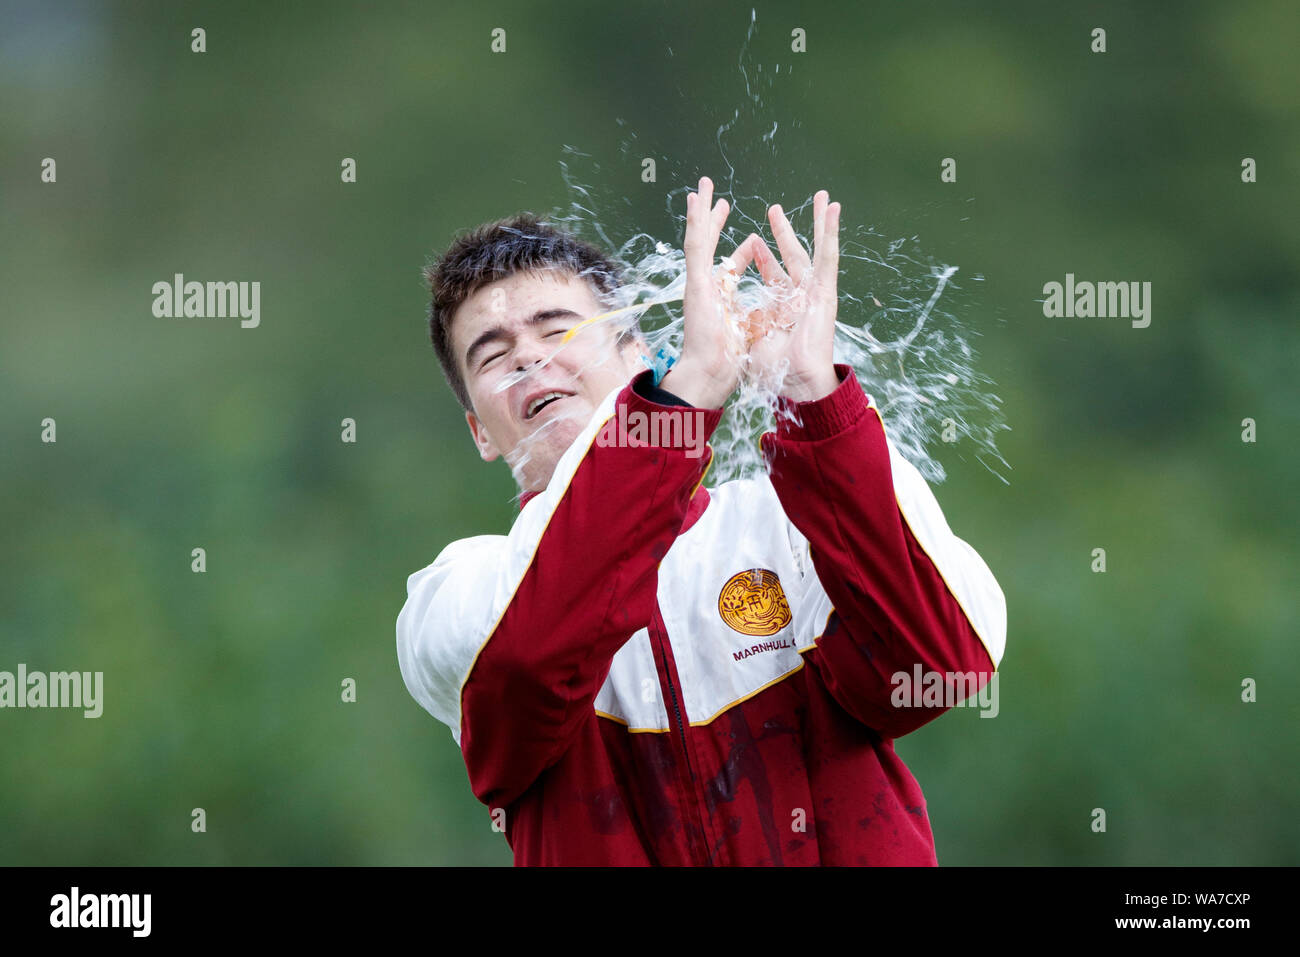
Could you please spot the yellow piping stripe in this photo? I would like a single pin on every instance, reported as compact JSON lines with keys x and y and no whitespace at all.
{"x":629,"y":728}
{"x":708,"y":465}
{"x":727,"y":707}
{"x":527,"y":566}
{"x":724,"y":708}
{"x":698,"y":724}
{"x":792,"y":671}
{"x":823,"y":634}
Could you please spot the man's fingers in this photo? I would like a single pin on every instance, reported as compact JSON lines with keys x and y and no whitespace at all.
{"x":698,"y":218}
{"x":820,"y":199}
{"x":827,"y":266}
{"x":703,"y":228}
{"x":697,"y":257}
{"x":768,"y":267}
{"x":795,"y":256}
{"x":746,"y":253}
{"x":719,"y":219}
{"x":717,"y":216}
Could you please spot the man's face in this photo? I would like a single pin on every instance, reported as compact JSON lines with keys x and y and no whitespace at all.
{"x":526,"y":408}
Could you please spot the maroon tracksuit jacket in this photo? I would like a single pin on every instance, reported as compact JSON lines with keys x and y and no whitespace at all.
{"x":648,"y":671}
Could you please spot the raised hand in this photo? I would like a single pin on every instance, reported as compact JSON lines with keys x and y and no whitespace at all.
{"x":709,"y":367}
{"x":793,"y":339}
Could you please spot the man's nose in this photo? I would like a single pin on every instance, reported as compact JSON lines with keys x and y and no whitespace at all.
{"x":528,"y":352}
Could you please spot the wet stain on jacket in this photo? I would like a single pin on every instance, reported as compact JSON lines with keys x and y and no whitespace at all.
{"x":605,"y":810}
{"x":745,"y":763}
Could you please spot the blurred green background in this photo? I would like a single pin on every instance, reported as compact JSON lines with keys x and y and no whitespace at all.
{"x":222,"y":690}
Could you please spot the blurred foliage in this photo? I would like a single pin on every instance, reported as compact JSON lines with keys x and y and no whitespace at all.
{"x":1119,"y":691}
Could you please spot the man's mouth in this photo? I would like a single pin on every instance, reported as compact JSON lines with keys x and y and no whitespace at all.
{"x":541,"y":400}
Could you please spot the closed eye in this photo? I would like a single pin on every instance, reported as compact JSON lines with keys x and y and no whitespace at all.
{"x":490,"y":359}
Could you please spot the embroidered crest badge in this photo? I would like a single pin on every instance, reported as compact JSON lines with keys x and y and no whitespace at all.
{"x":752,"y":602}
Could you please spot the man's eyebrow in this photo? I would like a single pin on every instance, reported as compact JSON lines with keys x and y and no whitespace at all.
{"x":542,"y":315}
{"x":498,"y":333}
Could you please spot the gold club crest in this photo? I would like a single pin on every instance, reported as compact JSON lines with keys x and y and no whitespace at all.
{"x":753,"y":603}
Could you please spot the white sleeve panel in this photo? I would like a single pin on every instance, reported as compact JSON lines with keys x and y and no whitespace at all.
{"x":966,"y":574}
{"x":968,"y":577}
{"x":441,"y":626}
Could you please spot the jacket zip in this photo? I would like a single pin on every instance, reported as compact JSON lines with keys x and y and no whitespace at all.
{"x":660,"y":631}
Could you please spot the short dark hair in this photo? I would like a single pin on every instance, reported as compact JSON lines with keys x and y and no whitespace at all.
{"x":497,"y":250}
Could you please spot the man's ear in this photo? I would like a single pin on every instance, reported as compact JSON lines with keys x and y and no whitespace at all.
{"x":486,"y":449}
{"x":632,"y":349}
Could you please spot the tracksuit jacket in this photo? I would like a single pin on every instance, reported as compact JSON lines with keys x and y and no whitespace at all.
{"x":647,"y":671}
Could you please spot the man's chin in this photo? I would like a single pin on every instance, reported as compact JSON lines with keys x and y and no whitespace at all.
{"x":537,"y":454}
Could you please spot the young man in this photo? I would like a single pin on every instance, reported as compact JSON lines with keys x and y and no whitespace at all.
{"x":648,"y":671}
